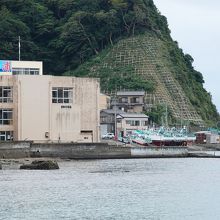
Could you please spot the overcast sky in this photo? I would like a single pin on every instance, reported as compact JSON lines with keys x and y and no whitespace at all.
{"x":195,"y":25}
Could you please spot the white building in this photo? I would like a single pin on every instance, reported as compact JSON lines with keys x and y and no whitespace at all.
{"x":45,"y":108}
{"x":128,"y":122}
{"x":8,"y":67}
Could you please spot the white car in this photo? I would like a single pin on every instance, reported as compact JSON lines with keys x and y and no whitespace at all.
{"x":108,"y":136}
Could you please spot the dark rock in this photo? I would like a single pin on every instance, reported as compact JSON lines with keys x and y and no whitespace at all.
{"x":40,"y":165}
{"x":0,"y":166}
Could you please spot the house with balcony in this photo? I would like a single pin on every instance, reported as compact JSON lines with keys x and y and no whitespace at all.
{"x":129,"y":101}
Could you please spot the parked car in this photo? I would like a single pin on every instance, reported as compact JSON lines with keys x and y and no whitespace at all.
{"x":125,"y":139}
{"x":108,"y":136}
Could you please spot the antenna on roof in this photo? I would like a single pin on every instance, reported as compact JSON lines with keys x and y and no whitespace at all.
{"x":19,"y":48}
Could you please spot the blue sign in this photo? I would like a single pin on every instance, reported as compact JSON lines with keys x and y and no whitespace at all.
{"x":5,"y":66}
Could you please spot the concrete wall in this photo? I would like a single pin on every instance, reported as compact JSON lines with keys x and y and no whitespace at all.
{"x":33,"y":107}
{"x":87,"y":97}
{"x":80,"y":151}
{"x":159,"y":151}
{"x":104,"y":151}
{"x":86,"y":151}
{"x":15,"y":150}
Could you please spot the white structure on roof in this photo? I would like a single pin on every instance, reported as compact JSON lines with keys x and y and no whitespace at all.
{"x":11,"y":67}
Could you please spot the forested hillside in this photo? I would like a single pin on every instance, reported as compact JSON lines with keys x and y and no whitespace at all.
{"x":65,"y":33}
{"x":73,"y":37}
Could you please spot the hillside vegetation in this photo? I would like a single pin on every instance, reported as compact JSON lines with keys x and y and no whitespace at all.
{"x":126,"y":43}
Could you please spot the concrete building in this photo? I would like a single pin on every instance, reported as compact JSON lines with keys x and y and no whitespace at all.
{"x":129,"y":101}
{"x":128,"y":122}
{"x":207,"y":137}
{"x":47,"y":108}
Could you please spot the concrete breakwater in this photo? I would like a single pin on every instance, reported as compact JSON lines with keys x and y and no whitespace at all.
{"x":85,"y":151}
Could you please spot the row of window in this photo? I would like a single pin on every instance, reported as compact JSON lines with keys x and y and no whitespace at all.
{"x":6,"y":135}
{"x":25,"y":71}
{"x":136,"y":123}
{"x":132,"y":100}
{"x":59,"y":95}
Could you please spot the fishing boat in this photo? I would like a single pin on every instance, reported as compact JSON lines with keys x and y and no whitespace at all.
{"x":163,"y":137}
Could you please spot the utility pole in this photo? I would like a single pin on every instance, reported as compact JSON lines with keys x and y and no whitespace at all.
{"x":19,"y":48}
{"x":166,"y":119}
{"x":181,"y":119}
{"x":115,"y":117}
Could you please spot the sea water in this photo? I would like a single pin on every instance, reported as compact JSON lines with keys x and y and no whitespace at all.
{"x":114,"y":189}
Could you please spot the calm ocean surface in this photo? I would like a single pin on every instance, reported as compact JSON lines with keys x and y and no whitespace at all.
{"x":114,"y":189}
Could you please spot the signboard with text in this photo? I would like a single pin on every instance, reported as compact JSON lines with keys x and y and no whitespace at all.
{"x":5,"y":67}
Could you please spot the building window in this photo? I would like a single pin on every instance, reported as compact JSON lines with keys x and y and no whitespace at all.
{"x":6,"y":135}
{"x":128,"y":122}
{"x":62,"y":95}
{"x":5,"y":116}
{"x":135,"y":100}
{"x":6,"y":94}
{"x":133,"y":123}
{"x":25,"y":71}
{"x":123,"y":100}
{"x":136,"y":123}
{"x":144,"y":123}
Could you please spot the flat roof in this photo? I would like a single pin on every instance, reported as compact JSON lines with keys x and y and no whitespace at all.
{"x":112,"y":111}
{"x":132,"y":115}
{"x":130,"y":93}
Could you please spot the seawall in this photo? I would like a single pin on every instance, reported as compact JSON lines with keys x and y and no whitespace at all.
{"x":15,"y":150}
{"x":86,"y":151}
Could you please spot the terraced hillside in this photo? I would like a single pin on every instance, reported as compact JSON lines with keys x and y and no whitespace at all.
{"x":148,"y":57}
